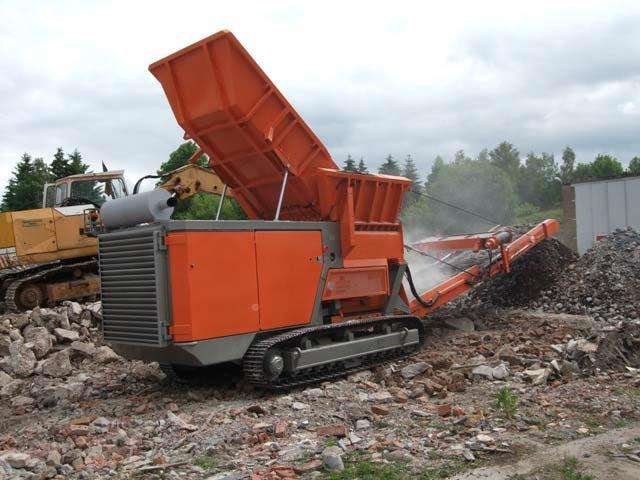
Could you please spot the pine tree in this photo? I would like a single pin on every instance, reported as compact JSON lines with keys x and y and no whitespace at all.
{"x":24,"y":188}
{"x":350,"y":164}
{"x":71,"y":165}
{"x":76,"y":164}
{"x":411,"y":172}
{"x":362,"y":167}
{"x":390,"y":167}
{"x":507,"y":158}
{"x":59,"y":165}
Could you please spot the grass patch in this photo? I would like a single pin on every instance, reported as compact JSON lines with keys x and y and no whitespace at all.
{"x":365,"y":470}
{"x":633,"y":391}
{"x":570,"y":470}
{"x":360,"y":469}
{"x":446,"y":470}
{"x":206,"y":462}
{"x":506,"y":402}
{"x":621,"y":423}
{"x":593,"y":423}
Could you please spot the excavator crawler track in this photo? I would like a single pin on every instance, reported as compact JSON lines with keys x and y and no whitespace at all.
{"x":11,"y":274}
{"x":38,"y":274}
{"x":256,"y":357}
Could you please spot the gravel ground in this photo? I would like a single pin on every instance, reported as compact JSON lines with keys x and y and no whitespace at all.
{"x":434,"y":414}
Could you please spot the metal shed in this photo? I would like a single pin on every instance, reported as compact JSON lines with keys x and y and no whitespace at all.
{"x":603,"y":206}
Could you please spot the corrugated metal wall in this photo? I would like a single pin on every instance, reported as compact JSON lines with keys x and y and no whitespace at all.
{"x":603,"y":206}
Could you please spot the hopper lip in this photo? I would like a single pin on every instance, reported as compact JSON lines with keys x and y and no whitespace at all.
{"x":159,"y":63}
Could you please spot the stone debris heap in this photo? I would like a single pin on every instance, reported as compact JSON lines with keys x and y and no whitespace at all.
{"x":603,"y":283}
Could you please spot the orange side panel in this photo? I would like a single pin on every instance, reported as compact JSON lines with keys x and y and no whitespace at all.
{"x":214,"y":290}
{"x":356,"y":282}
{"x":289,"y":268}
{"x":369,"y":245}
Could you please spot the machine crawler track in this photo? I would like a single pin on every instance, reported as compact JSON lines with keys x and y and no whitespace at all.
{"x":40,"y":273}
{"x":256,"y":358}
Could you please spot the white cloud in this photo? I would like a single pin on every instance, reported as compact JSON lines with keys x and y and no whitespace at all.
{"x":371,"y":78}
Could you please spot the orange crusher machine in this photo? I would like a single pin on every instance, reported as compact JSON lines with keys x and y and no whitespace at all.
{"x":310,"y":287}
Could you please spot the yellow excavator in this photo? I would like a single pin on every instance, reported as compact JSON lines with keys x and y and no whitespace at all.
{"x":50,"y":254}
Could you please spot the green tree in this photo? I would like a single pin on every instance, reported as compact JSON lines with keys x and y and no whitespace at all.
{"x":179,"y":157}
{"x":204,"y":206}
{"x":41,"y":173}
{"x":634,"y":166}
{"x":568,"y":161}
{"x":583,"y":171}
{"x":350,"y":164}
{"x":76,"y":165}
{"x":538,"y":182}
{"x":362,"y":167}
{"x":59,"y":165}
{"x":71,"y":165}
{"x":410,"y":171}
{"x":390,"y":167}
{"x":476,"y":186}
{"x":507,"y":158}
{"x":606,"y":166}
{"x":436,"y":168}
{"x":24,"y":190}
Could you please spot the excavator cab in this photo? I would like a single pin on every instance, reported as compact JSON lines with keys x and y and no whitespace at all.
{"x":85,"y":189}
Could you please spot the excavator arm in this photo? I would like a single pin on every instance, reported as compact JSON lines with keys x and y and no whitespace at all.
{"x":190,"y":179}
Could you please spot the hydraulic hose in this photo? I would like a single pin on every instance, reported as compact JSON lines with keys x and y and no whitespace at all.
{"x":137,"y":185}
{"x":414,"y":292}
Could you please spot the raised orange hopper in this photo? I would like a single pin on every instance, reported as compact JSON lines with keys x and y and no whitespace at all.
{"x":252,"y":135}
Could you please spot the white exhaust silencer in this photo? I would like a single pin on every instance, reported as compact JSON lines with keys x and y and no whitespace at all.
{"x":145,"y":207}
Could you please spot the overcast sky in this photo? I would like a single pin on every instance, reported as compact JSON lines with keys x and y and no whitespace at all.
{"x":423,"y":78}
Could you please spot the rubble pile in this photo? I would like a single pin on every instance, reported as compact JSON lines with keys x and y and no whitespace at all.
{"x":619,"y":347}
{"x":45,"y":355}
{"x":46,"y":340}
{"x":604,"y":282}
{"x":530,"y":277}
